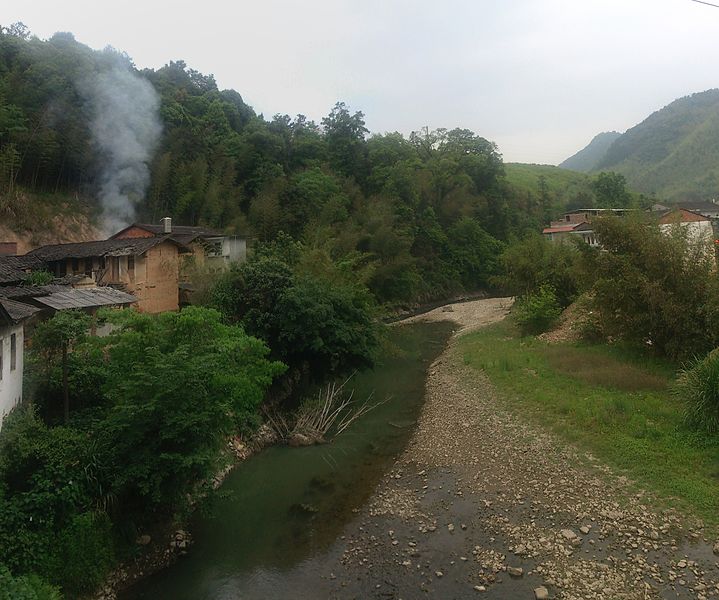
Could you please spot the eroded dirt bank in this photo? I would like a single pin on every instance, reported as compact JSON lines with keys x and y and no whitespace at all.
{"x":482,"y":503}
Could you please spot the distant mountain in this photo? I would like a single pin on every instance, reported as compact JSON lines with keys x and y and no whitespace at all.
{"x":591,"y":155}
{"x":674,"y":153}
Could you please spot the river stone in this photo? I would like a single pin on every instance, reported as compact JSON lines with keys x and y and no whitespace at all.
{"x":299,"y":439}
{"x":541,"y":593}
{"x":515,"y":571}
{"x":568,"y":534}
{"x":716,"y":548}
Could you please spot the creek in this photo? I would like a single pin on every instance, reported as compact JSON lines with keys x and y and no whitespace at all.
{"x":278,"y":518}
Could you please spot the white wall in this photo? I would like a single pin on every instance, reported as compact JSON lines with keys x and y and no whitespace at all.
{"x":234,"y":248}
{"x":697,"y":232}
{"x":11,"y":383}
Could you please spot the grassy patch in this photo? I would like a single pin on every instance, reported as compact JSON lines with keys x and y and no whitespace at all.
{"x":602,"y":370}
{"x":619,"y":409}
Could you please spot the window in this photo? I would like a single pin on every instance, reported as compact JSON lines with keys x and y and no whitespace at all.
{"x":214,"y":247}
{"x":75,"y":265}
{"x":131,"y":266}
{"x":13,"y":352}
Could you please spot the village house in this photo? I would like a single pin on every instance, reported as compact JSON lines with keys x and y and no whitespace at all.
{"x":208,"y":248}
{"x":147,"y":268}
{"x":12,"y":343}
{"x":23,"y":304}
{"x":706,"y":208}
{"x":699,"y":230}
{"x":577,"y":224}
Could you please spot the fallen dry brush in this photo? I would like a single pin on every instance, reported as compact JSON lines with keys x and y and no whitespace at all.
{"x":333,"y":410}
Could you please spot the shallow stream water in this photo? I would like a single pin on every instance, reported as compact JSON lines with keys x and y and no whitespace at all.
{"x":279,"y":517}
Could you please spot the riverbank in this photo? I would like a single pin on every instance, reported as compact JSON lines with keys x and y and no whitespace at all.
{"x":278,"y":520}
{"x":172,"y":540}
{"x":486,"y":503}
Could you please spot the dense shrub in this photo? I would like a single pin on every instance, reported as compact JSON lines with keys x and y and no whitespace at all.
{"x":312,"y":316}
{"x":84,"y":553}
{"x":27,"y":587}
{"x":698,"y":388}
{"x":42,"y":484}
{"x":173,"y":388}
{"x":654,"y":288}
{"x":179,"y":384}
{"x":532,"y":262}
{"x":538,"y":311}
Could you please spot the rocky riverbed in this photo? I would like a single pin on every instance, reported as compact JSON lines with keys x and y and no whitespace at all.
{"x":484,"y":504}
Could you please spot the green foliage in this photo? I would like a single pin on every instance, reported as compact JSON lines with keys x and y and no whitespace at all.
{"x":64,"y":329}
{"x":310,"y":312}
{"x":542,"y":192}
{"x":27,"y":587}
{"x":653,"y":288}
{"x":698,"y":389}
{"x":179,"y":384}
{"x":533,"y":262}
{"x":39,"y":278}
{"x":44,"y":481}
{"x":53,"y":340}
{"x":83,"y":553}
{"x":611,"y":190}
{"x":474,"y":253}
{"x":171,"y":389}
{"x":536,"y":312}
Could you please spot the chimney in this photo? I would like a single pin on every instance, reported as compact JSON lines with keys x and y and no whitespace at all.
{"x":166,"y":224}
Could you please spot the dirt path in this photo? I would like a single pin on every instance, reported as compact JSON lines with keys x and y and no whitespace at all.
{"x":484,"y":504}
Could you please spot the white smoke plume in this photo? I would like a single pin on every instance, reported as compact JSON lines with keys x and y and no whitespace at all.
{"x":126,"y":128}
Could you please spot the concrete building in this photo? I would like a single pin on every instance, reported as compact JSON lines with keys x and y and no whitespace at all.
{"x":565,"y":233}
{"x":698,"y":228}
{"x":576,"y":224}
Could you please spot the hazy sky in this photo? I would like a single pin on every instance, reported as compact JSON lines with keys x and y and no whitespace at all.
{"x":539,"y":77}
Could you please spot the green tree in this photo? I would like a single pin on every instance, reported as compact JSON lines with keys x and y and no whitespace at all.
{"x":654,"y":288}
{"x":346,"y":146}
{"x":179,"y":385}
{"x":54,"y":340}
{"x":611,"y":190}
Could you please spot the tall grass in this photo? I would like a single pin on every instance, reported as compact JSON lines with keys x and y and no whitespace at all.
{"x":698,"y":388}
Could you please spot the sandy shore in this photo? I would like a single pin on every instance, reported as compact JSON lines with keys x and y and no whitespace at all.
{"x":484,"y":504}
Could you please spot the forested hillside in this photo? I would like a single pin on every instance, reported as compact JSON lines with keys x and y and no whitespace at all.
{"x":416,"y":218}
{"x":674,"y":153}
{"x":592,"y":154}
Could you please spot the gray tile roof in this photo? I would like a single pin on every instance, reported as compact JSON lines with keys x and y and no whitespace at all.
{"x":184,"y":234}
{"x":122,"y":247}
{"x":18,"y":311}
{"x":699,"y":206}
{"x":13,"y":268}
{"x":85,"y":298}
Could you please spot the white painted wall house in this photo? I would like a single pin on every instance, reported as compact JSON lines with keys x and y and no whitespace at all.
{"x":13,"y":318}
{"x":11,"y":367}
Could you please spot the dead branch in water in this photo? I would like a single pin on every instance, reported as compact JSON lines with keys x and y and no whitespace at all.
{"x":314,"y":419}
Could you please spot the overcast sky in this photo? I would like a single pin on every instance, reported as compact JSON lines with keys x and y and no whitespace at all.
{"x":539,"y":77}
